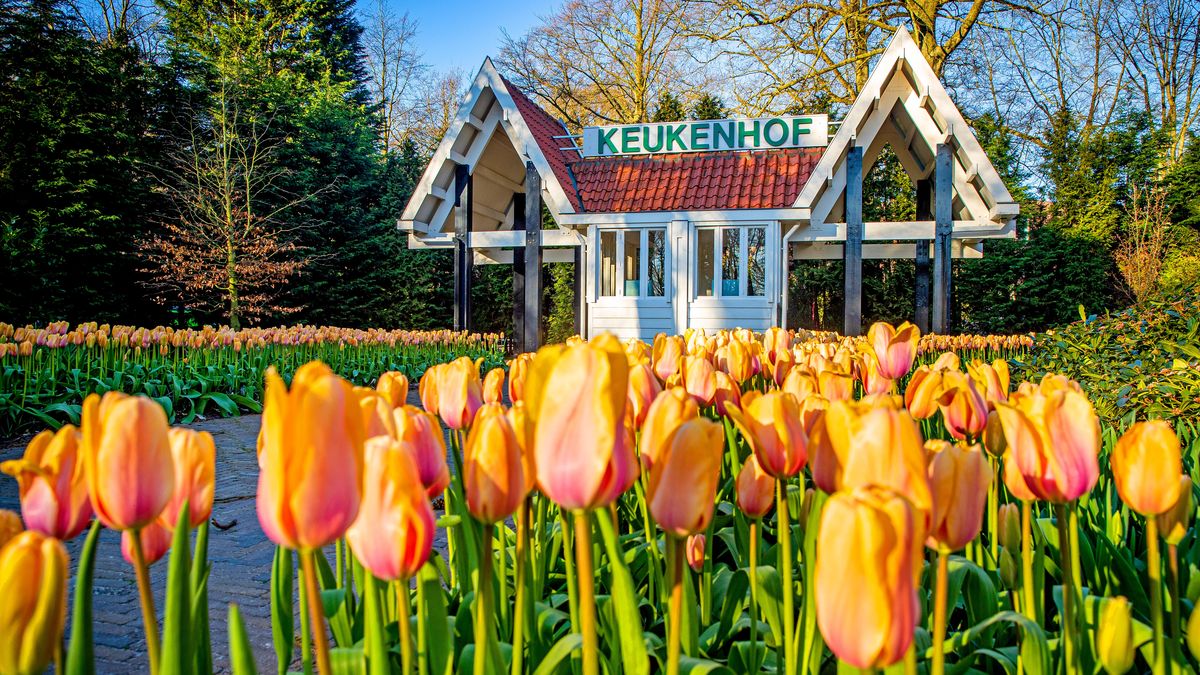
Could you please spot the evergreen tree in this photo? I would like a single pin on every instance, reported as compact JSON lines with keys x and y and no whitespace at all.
{"x":668,"y":109}
{"x":709,"y":107}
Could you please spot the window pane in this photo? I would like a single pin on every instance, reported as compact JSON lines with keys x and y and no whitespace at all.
{"x":731,"y":253}
{"x":656,"y":262}
{"x":756,"y":252}
{"x":705,"y":271}
{"x":633,"y":263}
{"x":608,"y":263}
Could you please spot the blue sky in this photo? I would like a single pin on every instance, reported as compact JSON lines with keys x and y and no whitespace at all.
{"x":458,"y":34}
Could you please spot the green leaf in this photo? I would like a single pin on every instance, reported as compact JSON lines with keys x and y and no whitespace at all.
{"x":634,"y":658}
{"x":176,"y":658}
{"x":561,"y":650}
{"x":81,"y":658}
{"x":434,"y":619}
{"x":283,"y":616}
{"x":202,"y":649}
{"x":770,"y":600}
{"x":377,"y":651}
{"x":241,"y":656}
{"x":694,"y":666}
{"x":333,"y":603}
{"x":223,"y":402}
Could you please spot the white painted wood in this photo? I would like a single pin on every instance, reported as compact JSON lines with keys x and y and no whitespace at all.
{"x":886,"y":231}
{"x":960,"y":248}
{"x":730,"y":216}
{"x":515,"y":238}
{"x":500,"y":256}
{"x":678,"y":238}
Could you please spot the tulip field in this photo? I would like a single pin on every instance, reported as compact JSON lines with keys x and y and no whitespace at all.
{"x":728,"y":502}
{"x":45,"y":373}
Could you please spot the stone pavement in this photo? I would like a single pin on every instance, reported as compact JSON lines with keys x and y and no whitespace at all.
{"x":241,"y":561}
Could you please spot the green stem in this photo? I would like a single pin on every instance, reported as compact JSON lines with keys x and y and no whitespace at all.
{"x":675,"y":625}
{"x":587,"y":591}
{"x":403,"y":612}
{"x":422,"y":632}
{"x":1154,"y":568}
{"x":754,"y":525}
{"x":483,"y":602}
{"x":308,"y":565}
{"x":306,"y":661}
{"x":785,"y":565}
{"x":1027,"y":604}
{"x":939,"y":614}
{"x":146,"y":593}
{"x":994,"y":516}
{"x":522,"y":552}
{"x":1068,"y":587}
{"x":1176,"y":608}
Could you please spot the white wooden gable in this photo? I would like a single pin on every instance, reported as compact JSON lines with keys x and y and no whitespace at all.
{"x":905,"y":105}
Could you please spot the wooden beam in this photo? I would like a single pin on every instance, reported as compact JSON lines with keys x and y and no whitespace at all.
{"x":532,"y":324}
{"x":492,"y":176}
{"x":852,"y":252}
{"x":518,"y":272}
{"x":943,"y":230}
{"x":922,"y":299}
{"x":896,"y":251}
{"x":463,"y":260}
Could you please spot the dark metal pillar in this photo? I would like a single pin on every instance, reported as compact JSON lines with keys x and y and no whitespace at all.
{"x":577,"y":297}
{"x":852,"y":249}
{"x":518,"y":272}
{"x":943,"y":217}
{"x":463,"y":257}
{"x":532,"y":324}
{"x":924,"y":213}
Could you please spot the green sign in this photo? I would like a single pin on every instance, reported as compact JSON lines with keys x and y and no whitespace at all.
{"x":762,"y":133}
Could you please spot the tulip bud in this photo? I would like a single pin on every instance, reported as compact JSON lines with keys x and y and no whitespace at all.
{"x":755,"y":489}
{"x":33,"y":601}
{"x":1193,"y":633}
{"x":699,"y":378}
{"x":1114,"y":636}
{"x":129,"y":469}
{"x":1010,"y":526}
{"x":493,"y":386}
{"x":666,"y":355}
{"x":734,"y":360}
{"x":518,"y":370}
{"x":195,"y":458}
{"x":393,"y":534}
{"x":393,"y":386}
{"x":156,"y":541}
{"x":1173,"y":523}
{"x":728,"y":393}
{"x":10,"y":526}
{"x":960,"y":478}
{"x":683,"y":482}
{"x":493,"y":470}
{"x":993,"y":436}
{"x":670,"y":409}
{"x":695,"y":552}
{"x":52,"y":485}
{"x":1009,"y":573}
{"x":1146,"y":465}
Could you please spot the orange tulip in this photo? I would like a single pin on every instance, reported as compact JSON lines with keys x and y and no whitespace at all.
{"x":493,"y":472}
{"x":868,"y":559}
{"x":460,"y":392}
{"x":777,"y":366}
{"x":873,"y":379}
{"x":683,"y":483}
{"x":427,"y":388}
{"x":10,"y":526}
{"x":643,"y":389}
{"x":964,"y":410}
{"x":735,"y":360}
{"x":1172,"y":523}
{"x":33,"y":602}
{"x":1014,"y":481}
{"x":518,"y":417}
{"x":700,"y":379}
{"x":195,"y":458}
{"x":1053,"y":436}
{"x":1146,"y":465}
{"x":393,"y":534}
{"x":666,"y":355}
{"x":835,"y":386}
{"x":637,"y":352}
{"x":376,"y":413}
{"x":728,"y":393}
{"x":576,"y":397}
{"x":393,"y":386}
{"x":771,"y":425}
{"x":960,"y":477}
{"x":310,"y":458}
{"x":127,"y":459}
{"x":923,"y":391}
{"x":156,"y":541}
{"x":52,"y":484}
{"x":493,"y":386}
{"x":992,"y":380}
{"x":801,"y":383}
{"x":421,"y":436}
{"x":755,"y":489}
{"x":694,"y":550}
{"x":518,"y":370}
{"x":776,"y":341}
{"x":670,"y":409}
{"x":894,"y":348}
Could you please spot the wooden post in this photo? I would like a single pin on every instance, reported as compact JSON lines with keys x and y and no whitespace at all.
{"x":533,"y":259}
{"x":943,"y":217}
{"x":518,"y":272}
{"x":852,"y":250}
{"x":580,"y":323}
{"x":924,"y":213}
{"x":463,"y":258}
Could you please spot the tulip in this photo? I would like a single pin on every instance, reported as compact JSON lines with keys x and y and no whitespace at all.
{"x":1173,"y":523}
{"x":427,"y":388}
{"x":493,"y":386}
{"x":393,"y":534}
{"x":459,"y":392}
{"x":964,"y":410}
{"x":1008,"y":570}
{"x":1193,"y":634}
{"x":695,"y":552}
{"x":666,"y":355}
{"x":1010,"y":527}
{"x":670,"y":409}
{"x":1053,"y":436}
{"x":734,"y":360}
{"x":873,"y":380}
{"x":493,"y":471}
{"x":771,"y":425}
{"x":155,"y":540}
{"x":33,"y":602}
{"x":127,"y":459}
{"x":576,"y":397}
{"x":728,"y":393}
{"x":755,"y":489}
{"x":868,"y":557}
{"x":1146,"y":465}
{"x":52,"y":484}
{"x":376,"y":413}
{"x":10,"y":526}
{"x":991,"y":379}
{"x":801,"y":383}
{"x":960,"y":477}
{"x":393,"y":386}
{"x":638,"y":352}
{"x":683,"y":482}
{"x":835,"y":386}
{"x":518,"y":370}
{"x":776,"y":365}
{"x":421,"y":436}
{"x":993,"y":436}
{"x":699,"y":378}
{"x":923,"y":391}
{"x":1114,"y":636}
{"x":195,"y":458}
{"x":643,"y":389}
{"x":776,"y":341}
{"x":894,"y":348}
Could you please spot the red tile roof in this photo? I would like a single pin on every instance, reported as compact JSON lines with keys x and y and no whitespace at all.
{"x":763,"y":179}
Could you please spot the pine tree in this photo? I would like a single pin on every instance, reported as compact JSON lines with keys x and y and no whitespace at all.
{"x":668,"y":108}
{"x":709,"y":107}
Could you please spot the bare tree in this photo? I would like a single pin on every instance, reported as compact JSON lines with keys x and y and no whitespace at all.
{"x":133,"y":20}
{"x":603,"y":61}
{"x":396,"y":71}
{"x":1143,"y":248}
{"x":435,"y":102}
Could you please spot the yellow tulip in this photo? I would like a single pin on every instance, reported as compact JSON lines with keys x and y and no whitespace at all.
{"x":682,"y":488}
{"x":493,"y":386}
{"x":195,"y":458}
{"x":1146,"y":464}
{"x":127,"y":459}
{"x":1114,"y":636}
{"x":518,"y":370}
{"x":755,"y":489}
{"x":772,"y":425}
{"x":960,"y":477}
{"x":700,"y":380}
{"x":894,"y":348}
{"x":393,"y":386}
{"x":670,"y":409}
{"x":694,"y":550}
{"x":643,"y":389}
{"x":1173,"y":523}
{"x":493,"y":471}
{"x":10,"y":526}
{"x":33,"y":602}
{"x":1053,"y":438}
{"x":459,"y":392}
{"x":52,"y":484}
